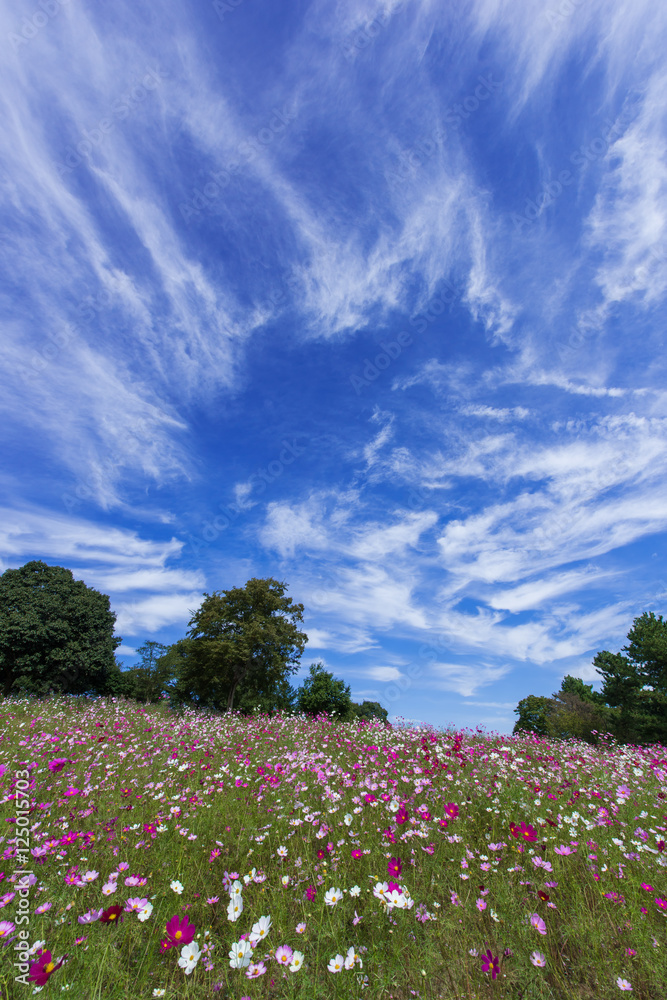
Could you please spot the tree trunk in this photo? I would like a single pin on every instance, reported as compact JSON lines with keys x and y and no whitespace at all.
{"x":237,"y":681}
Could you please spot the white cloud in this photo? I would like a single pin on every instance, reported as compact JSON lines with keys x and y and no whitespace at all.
{"x":536,"y":592}
{"x":153,"y":613}
{"x":462,"y":679}
{"x":56,"y":536}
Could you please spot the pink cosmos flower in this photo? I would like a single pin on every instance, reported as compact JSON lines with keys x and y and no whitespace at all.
{"x":255,"y":969}
{"x":6,"y":928}
{"x":283,"y":954}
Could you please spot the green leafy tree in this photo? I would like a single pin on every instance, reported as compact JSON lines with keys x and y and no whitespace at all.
{"x":151,"y":677}
{"x":244,"y":639}
{"x":261,"y":697}
{"x":575,"y":718}
{"x":321,"y":693}
{"x":369,"y":710}
{"x":533,"y":713}
{"x":56,"y":634}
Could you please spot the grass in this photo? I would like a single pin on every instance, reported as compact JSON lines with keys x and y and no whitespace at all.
{"x":473,"y":830}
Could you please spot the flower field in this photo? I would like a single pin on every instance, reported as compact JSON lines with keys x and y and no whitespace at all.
{"x":201,"y":855}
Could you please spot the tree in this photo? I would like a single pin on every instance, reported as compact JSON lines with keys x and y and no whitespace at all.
{"x":321,"y":693}
{"x":269,"y":698}
{"x":574,"y":718}
{"x":533,"y":713}
{"x":369,"y":710}
{"x":245,"y":638}
{"x":56,"y":634}
{"x":150,"y":678}
{"x":636,"y":684}
{"x":648,"y":649}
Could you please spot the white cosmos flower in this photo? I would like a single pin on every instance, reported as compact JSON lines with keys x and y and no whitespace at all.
{"x":352,"y":957}
{"x":297,"y":961}
{"x":260,"y":929}
{"x":189,"y":957}
{"x":235,"y":909}
{"x":336,"y":964}
{"x":240,"y":954}
{"x":333,"y":896}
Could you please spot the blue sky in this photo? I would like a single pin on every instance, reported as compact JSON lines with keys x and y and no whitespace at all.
{"x":368,"y":297}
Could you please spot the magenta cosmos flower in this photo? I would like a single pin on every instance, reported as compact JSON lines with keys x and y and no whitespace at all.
{"x":43,"y":968}
{"x":402,"y":815}
{"x":490,"y":964}
{"x":57,"y":764}
{"x":525,"y":831}
{"x":395,"y":867}
{"x":180,"y":931}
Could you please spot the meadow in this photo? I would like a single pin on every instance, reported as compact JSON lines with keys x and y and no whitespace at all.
{"x":201,"y":855}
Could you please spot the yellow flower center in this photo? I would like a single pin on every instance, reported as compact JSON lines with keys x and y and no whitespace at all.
{"x":178,"y":934}
{"x":50,"y":967}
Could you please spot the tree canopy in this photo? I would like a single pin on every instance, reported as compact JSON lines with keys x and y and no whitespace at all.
{"x":56,"y":634}
{"x":321,"y":693}
{"x":242,"y":638}
{"x":632,"y":704}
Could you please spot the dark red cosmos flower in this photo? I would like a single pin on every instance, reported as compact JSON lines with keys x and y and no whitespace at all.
{"x":112,"y":915}
{"x":543,"y":896}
